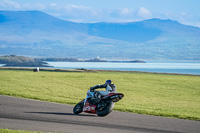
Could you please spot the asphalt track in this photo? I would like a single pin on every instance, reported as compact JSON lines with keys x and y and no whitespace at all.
{"x":24,"y":114}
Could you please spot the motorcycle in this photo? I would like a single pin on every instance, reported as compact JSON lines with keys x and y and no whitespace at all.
{"x":101,"y":106}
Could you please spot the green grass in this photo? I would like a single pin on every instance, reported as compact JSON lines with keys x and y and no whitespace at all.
{"x":17,"y":131}
{"x":175,"y":96}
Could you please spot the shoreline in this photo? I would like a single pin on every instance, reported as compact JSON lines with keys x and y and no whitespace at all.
{"x":87,"y":70}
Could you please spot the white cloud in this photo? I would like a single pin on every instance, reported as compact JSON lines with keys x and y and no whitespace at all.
{"x":40,"y":6}
{"x":182,"y":17}
{"x":143,"y":12}
{"x":37,"y":6}
{"x":9,"y":5}
{"x":126,"y":12}
{"x":75,"y":8}
{"x":78,"y":11}
{"x":183,"y":13}
{"x":53,"y":4}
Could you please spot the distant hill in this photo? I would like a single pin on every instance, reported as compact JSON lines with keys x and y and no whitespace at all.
{"x":21,"y":61}
{"x":37,"y":34}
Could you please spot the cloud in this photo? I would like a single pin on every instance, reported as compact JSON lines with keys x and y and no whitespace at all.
{"x":13,"y":6}
{"x":126,"y":12}
{"x":9,"y":5}
{"x":53,"y":4}
{"x":36,"y":6}
{"x":71,"y":12}
{"x":188,"y":19}
{"x":143,"y":13}
{"x":79,"y":9}
{"x":40,"y":6}
{"x":182,"y":17}
{"x":183,"y":13}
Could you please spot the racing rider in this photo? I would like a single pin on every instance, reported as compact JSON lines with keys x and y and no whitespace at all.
{"x":109,"y":86}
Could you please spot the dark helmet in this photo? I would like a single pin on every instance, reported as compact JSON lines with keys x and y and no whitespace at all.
{"x":109,"y":82}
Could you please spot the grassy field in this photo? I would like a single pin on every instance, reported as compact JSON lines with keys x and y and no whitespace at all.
{"x":17,"y":131}
{"x":175,"y":96}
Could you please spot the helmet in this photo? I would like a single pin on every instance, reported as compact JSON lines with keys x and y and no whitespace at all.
{"x":109,"y":82}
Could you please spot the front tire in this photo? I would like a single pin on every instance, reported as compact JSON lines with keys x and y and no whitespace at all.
{"x":106,"y":110}
{"x":78,"y":108}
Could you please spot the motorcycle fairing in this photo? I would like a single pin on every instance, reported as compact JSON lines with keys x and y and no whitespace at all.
{"x":89,"y":108}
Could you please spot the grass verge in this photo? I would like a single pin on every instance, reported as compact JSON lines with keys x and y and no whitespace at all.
{"x":175,"y":96}
{"x":2,"y":130}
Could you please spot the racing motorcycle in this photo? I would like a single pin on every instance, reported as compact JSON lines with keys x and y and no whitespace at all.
{"x":101,"y":106}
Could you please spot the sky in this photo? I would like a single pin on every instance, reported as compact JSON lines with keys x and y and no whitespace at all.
{"x":90,"y":11}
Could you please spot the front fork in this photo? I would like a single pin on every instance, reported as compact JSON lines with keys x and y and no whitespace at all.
{"x":92,"y":95}
{"x":85,"y":101}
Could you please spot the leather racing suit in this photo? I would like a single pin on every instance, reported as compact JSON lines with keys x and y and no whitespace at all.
{"x":109,"y":88}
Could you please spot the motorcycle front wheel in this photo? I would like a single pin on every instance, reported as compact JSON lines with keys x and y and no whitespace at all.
{"x":106,"y":110}
{"x":78,"y":108}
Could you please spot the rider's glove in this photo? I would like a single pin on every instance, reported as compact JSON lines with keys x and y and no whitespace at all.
{"x":91,"y":89}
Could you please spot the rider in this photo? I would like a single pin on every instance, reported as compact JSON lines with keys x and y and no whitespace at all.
{"x":110,"y":87}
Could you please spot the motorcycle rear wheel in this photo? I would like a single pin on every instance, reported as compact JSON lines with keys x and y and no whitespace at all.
{"x":106,"y":110}
{"x":78,"y":108}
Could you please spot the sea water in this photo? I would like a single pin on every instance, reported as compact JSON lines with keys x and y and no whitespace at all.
{"x":161,"y":67}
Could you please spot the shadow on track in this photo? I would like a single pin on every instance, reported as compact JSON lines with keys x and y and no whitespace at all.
{"x":56,"y":113}
{"x":93,"y":124}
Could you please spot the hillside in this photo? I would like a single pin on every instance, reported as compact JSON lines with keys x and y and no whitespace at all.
{"x":21,"y":61}
{"x":34,"y":33}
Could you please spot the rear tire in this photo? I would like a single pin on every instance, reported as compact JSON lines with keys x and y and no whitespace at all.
{"x":106,"y":110}
{"x":78,"y":108}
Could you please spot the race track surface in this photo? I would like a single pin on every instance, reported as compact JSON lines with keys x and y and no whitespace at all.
{"x":24,"y":114}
